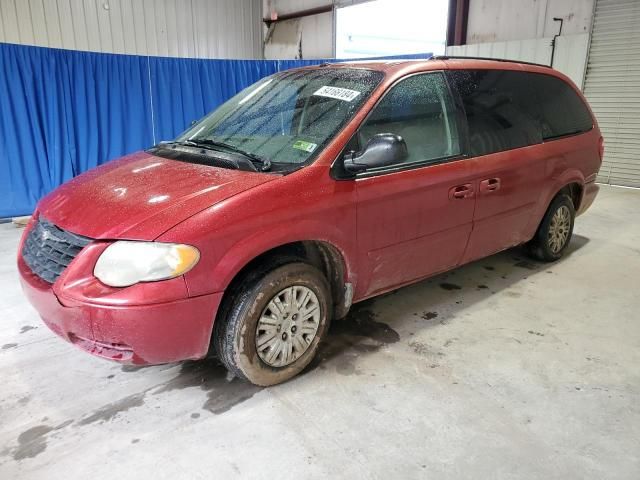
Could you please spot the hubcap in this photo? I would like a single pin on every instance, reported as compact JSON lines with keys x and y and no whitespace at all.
{"x":559,"y":229}
{"x":287,"y":326}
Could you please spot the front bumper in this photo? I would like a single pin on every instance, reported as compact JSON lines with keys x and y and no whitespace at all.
{"x":146,"y":334}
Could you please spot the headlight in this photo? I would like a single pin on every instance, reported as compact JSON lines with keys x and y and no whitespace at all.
{"x":125,"y":263}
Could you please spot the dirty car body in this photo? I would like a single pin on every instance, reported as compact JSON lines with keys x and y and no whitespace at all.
{"x":365,"y":177}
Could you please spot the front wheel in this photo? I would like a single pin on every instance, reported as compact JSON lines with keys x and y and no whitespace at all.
{"x":272,"y":330}
{"x":554,"y":233}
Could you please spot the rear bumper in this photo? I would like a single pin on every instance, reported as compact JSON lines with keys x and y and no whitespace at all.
{"x":590,"y":192}
{"x":137,"y":334}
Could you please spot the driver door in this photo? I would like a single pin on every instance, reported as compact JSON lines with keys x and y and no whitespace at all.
{"x":414,"y":218}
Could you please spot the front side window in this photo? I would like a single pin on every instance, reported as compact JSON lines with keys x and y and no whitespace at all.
{"x":289,"y":117}
{"x":420,"y":110}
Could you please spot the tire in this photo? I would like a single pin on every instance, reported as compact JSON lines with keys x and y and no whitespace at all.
{"x":555,"y":230}
{"x":236,"y":332}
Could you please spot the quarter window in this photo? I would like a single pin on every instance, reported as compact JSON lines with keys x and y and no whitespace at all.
{"x":560,"y":109}
{"x":420,"y":110}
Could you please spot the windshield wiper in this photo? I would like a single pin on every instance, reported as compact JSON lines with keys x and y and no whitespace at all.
{"x":265,"y":164}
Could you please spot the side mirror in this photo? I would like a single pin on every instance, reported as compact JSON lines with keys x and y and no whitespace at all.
{"x":381,"y":150}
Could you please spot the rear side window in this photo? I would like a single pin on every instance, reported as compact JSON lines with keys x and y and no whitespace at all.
{"x":508,"y":109}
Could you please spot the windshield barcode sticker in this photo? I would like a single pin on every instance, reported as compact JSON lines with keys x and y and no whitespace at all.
{"x":305,"y":146}
{"x":337,"y":92}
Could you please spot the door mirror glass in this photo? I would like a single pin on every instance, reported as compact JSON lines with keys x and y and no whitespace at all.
{"x":381,"y":150}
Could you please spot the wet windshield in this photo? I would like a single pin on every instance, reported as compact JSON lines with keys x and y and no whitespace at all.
{"x":289,"y":117}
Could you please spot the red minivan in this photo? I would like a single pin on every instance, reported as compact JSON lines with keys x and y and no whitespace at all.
{"x":308,"y":191}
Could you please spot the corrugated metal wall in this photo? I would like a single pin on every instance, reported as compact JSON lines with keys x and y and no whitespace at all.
{"x":570,"y":56}
{"x":504,"y":20}
{"x":612,"y":87}
{"x":174,"y":28}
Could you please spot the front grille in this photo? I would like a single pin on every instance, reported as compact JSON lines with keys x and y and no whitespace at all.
{"x":48,"y":250}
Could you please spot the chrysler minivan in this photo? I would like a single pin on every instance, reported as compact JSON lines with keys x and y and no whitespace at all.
{"x":308,"y":191}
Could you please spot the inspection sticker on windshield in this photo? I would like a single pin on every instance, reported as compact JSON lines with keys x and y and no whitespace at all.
{"x":305,"y":146}
{"x":337,"y":92}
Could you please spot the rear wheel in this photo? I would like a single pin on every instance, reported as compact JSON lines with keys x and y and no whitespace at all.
{"x":273,"y":327}
{"x":555,"y":230}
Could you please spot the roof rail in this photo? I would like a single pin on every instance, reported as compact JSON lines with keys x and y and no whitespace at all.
{"x":461,"y":57}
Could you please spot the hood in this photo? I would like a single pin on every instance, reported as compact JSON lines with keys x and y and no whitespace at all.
{"x":140,"y":196}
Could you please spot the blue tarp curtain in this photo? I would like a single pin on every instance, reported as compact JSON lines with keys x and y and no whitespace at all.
{"x":63,"y":112}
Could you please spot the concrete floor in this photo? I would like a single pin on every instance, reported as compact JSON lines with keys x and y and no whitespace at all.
{"x":505,"y":368}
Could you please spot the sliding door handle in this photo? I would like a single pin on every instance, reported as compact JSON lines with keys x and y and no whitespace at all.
{"x":460,"y":192}
{"x":490,"y":185}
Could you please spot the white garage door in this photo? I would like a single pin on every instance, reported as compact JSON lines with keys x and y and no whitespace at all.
{"x":612,"y":86}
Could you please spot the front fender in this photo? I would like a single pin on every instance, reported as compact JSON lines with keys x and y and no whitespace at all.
{"x":244,"y":251}
{"x":231,"y":234}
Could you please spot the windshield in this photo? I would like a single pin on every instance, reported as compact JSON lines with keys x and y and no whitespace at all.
{"x":289,"y":117}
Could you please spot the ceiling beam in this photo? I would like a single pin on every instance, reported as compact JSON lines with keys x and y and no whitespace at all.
{"x":299,"y":14}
